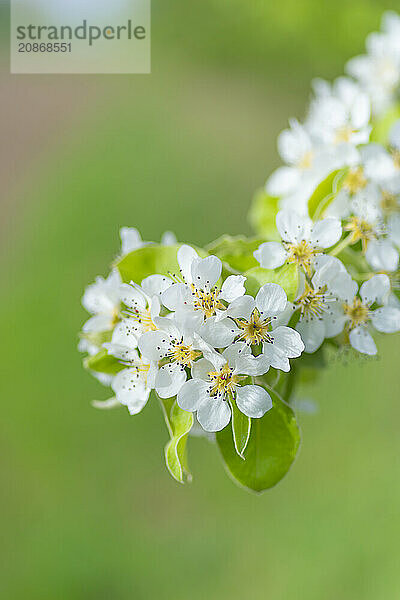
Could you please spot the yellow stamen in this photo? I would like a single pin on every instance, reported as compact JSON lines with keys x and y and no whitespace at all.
{"x":343,"y":134}
{"x":355,"y":180}
{"x":206,"y":300}
{"x":302,"y":254}
{"x":357,"y":312}
{"x":389,"y":203}
{"x":183,"y":354}
{"x":255,"y":330}
{"x":312,"y":302}
{"x":223,"y":382}
{"x":306,"y":160}
{"x":360,"y":230}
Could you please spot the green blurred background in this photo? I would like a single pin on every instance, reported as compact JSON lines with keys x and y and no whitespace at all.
{"x":88,"y":509}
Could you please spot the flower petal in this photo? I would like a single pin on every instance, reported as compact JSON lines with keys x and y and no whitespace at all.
{"x":233,"y":288}
{"x":375,"y":289}
{"x":312,"y":333}
{"x":214,"y":414}
{"x":386,"y":319}
{"x":169,"y":380}
{"x":382,"y":256}
{"x":288,"y":341}
{"x":326,"y":233}
{"x":154,"y":345}
{"x":218,"y":333}
{"x":130,"y":389}
{"x":132,"y":296}
{"x":155,"y":285}
{"x":270,"y":255}
{"x":253,"y":400}
{"x":362,"y":341}
{"x":192,"y":394}
{"x":241,"y":308}
{"x":186,"y":255}
{"x":292,"y":227}
{"x":177,"y":295}
{"x":205,"y":272}
{"x":271,"y":299}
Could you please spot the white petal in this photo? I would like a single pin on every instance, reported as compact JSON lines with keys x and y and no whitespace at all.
{"x":386,"y":319}
{"x":132,"y":296}
{"x":120,"y":351}
{"x":233,"y":287}
{"x":291,"y":226}
{"x":375,"y":289}
{"x":97,"y":323}
{"x":271,"y":299}
{"x":168,"y":238}
{"x":186,"y":255}
{"x":175,"y":296}
{"x":288,"y":341}
{"x":276,"y":358}
{"x":233,"y":353}
{"x":241,"y":308}
{"x":154,"y":345}
{"x":130,"y":239}
{"x":155,"y":285}
{"x":192,"y":394}
{"x":312,"y":333}
{"x":382,"y":256}
{"x":283,"y":181}
{"x":214,"y":414}
{"x":326,"y":233}
{"x":168,"y":387}
{"x":125,"y":333}
{"x":362,"y":341}
{"x":205,"y":272}
{"x":201,"y":368}
{"x":247,"y":364}
{"x":130,"y":389}
{"x":253,"y":400}
{"x":270,"y":255}
{"x":218,"y":333}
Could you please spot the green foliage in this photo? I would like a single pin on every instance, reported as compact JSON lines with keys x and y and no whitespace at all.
{"x":382,"y":126}
{"x":271,"y":449}
{"x":241,"y":427}
{"x":236,"y":252}
{"x":262,"y":215}
{"x":102,"y":362}
{"x":324,"y":193}
{"x":146,"y":261}
{"x":286,"y":276}
{"x":179,"y":423}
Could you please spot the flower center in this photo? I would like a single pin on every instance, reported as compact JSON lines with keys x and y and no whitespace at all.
{"x":143,"y":317}
{"x":396,"y":157}
{"x":343,"y":134}
{"x":223,"y":382}
{"x":206,"y":300}
{"x":302,"y":254}
{"x":360,"y":230}
{"x":306,"y":160}
{"x":256,"y":330}
{"x":183,"y":354}
{"x":357,"y":312}
{"x":355,"y":180}
{"x":389,"y":203}
{"x":114,"y":317}
{"x":312,"y":302}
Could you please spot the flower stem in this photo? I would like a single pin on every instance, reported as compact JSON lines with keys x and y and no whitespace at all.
{"x":341,"y":246}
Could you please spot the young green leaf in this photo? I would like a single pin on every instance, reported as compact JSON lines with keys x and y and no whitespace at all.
{"x":272,"y":448}
{"x":102,"y":362}
{"x":179,"y":423}
{"x":382,"y":126}
{"x":237,"y":252}
{"x":324,"y":193}
{"x":241,"y":427}
{"x":262,"y":215}
{"x":286,"y":276}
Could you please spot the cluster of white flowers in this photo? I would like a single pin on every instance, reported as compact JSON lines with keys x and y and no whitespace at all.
{"x":217,"y":340}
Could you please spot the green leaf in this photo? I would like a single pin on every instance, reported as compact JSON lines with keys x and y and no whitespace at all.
{"x":102,"y":362}
{"x":179,"y":423}
{"x":272,"y":448}
{"x":150,"y":260}
{"x":286,"y":276}
{"x":382,"y":126}
{"x":241,"y":427}
{"x":262,"y":215}
{"x":324,"y":193}
{"x":237,"y":252}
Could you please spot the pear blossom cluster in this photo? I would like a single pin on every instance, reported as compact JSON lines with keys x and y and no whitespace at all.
{"x":222,"y":343}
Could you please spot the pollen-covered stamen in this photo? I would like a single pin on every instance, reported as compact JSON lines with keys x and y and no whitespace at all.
{"x":306,"y":160}
{"x":115,"y":317}
{"x":396,"y":157}
{"x":143,"y":317}
{"x":183,"y":354}
{"x":223,"y":382}
{"x":206,"y":300}
{"x":360,"y":229}
{"x":302,"y":254}
{"x":343,"y":134}
{"x":358,"y":312}
{"x":140,"y":372}
{"x":355,"y":180}
{"x":389,"y":203}
{"x":313,"y":302}
{"x":256,"y":330}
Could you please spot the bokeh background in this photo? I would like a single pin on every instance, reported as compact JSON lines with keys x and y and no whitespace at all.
{"x":88,"y":510}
